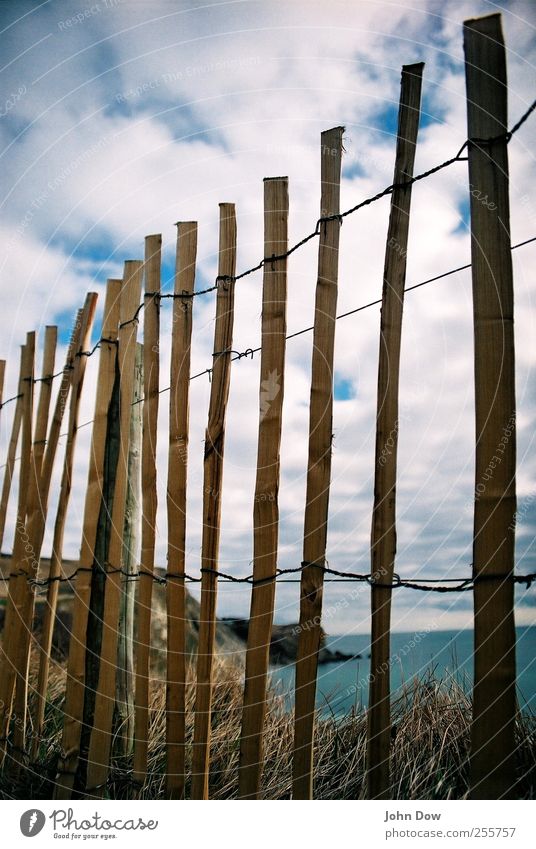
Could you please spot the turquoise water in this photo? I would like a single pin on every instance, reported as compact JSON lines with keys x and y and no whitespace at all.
{"x":344,"y":685}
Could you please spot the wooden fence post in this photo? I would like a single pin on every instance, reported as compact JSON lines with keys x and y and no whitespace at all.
{"x":67,"y":378}
{"x":176,"y":508}
{"x":21,"y":566}
{"x":76,"y":665}
{"x":318,"y":466}
{"x":101,"y":734}
{"x":38,"y":508}
{"x":494,"y":705}
{"x":12,"y":451}
{"x":212,"y":484}
{"x":13,"y":607}
{"x":266,"y":507}
{"x":98,"y":576}
{"x":383,"y":538}
{"x":151,"y":339}
{"x":45,"y":395}
{"x":124,"y":701}
{"x":2,"y":376}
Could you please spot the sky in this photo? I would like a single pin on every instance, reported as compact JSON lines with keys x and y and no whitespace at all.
{"x":119,"y":118}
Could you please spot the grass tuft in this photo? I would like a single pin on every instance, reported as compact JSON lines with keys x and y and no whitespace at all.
{"x":429,"y":749}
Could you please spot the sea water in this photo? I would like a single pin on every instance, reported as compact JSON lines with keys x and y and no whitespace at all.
{"x":344,"y":685}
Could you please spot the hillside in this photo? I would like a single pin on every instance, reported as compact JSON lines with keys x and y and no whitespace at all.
{"x":231,"y":634}
{"x":227,"y":642}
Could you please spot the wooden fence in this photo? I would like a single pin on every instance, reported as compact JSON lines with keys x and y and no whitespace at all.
{"x":98,"y":584}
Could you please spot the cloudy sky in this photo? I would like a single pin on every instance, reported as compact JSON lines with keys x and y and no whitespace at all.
{"x":121,"y":117}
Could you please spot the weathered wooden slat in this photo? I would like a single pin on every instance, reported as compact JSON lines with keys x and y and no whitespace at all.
{"x":266,"y":506}
{"x":74,"y":696}
{"x":124,"y":718}
{"x":212,"y":485}
{"x":18,"y":640}
{"x":45,"y":643}
{"x":45,"y":395}
{"x":493,"y":759}
{"x":151,"y":363}
{"x":2,"y":376}
{"x":11,"y":452}
{"x":14,"y":600}
{"x":98,"y":576}
{"x":383,"y":537}
{"x":101,"y":734}
{"x":38,"y":499}
{"x":13,"y":607}
{"x":176,"y":507}
{"x":63,"y":394}
{"x":318,"y":466}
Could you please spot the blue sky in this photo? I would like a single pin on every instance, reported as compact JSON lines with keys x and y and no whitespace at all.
{"x":121,"y":118}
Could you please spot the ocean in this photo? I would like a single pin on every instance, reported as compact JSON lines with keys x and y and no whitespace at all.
{"x":343,"y":685}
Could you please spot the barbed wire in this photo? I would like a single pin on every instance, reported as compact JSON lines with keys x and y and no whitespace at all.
{"x":507,"y":136}
{"x":440,"y":585}
{"x":249,"y":352}
{"x":8,"y":401}
{"x":95,"y":347}
{"x":50,"y":377}
{"x":437,"y":585}
{"x":521,"y":121}
{"x":223,"y":279}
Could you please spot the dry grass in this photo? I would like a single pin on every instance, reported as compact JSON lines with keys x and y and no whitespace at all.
{"x":430,"y":744}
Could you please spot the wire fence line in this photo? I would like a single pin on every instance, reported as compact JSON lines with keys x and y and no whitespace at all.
{"x":223,"y":279}
{"x":8,"y":401}
{"x":250,"y":352}
{"x":436,"y":585}
{"x":309,"y":573}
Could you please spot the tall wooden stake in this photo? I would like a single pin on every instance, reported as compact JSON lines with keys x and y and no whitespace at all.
{"x":8,"y":669}
{"x":2,"y":376}
{"x":36,"y":505}
{"x":76,"y":674}
{"x":69,"y":371}
{"x":34,"y":493}
{"x":81,"y":327}
{"x":212,"y":485}
{"x":101,"y":735}
{"x":318,"y":466}
{"x":124,"y":703}
{"x":16,"y":589}
{"x":16,"y":633}
{"x":266,"y":507}
{"x":151,"y":334}
{"x":176,"y":508}
{"x":99,"y":570}
{"x":45,"y":395}
{"x":383,"y":541}
{"x":38,"y":499}
{"x":494,"y":706}
{"x":11,"y":451}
